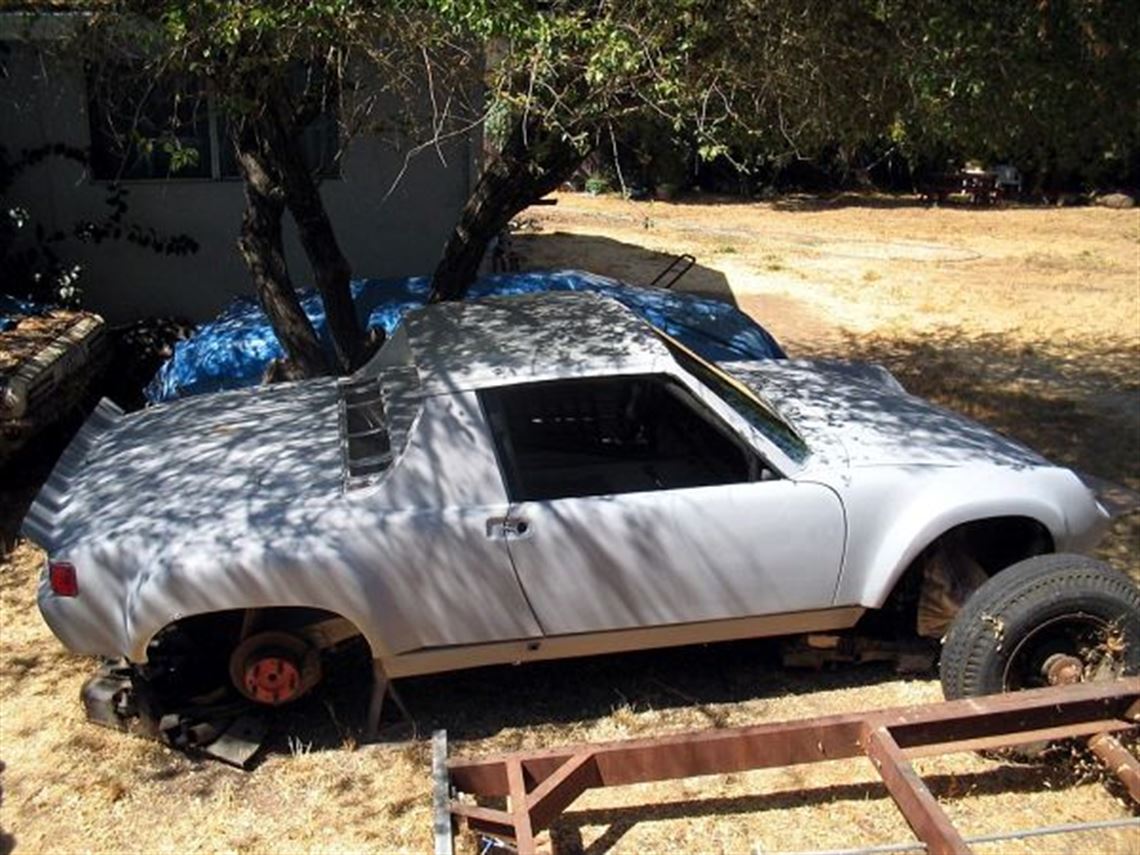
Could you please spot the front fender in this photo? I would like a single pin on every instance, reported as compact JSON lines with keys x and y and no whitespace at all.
{"x":893,"y":515}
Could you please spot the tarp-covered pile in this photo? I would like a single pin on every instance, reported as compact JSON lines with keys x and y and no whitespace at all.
{"x":235,"y":349}
{"x":13,"y":308}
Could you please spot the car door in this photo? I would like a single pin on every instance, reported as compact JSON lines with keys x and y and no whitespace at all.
{"x":634,"y":505}
{"x":444,"y":578}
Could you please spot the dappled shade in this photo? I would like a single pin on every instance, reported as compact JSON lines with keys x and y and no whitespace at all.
{"x":234,"y":350}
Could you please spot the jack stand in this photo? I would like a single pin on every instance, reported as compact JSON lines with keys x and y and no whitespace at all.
{"x":382,"y":687}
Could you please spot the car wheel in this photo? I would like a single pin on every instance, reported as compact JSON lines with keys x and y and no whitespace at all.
{"x":1050,"y":618}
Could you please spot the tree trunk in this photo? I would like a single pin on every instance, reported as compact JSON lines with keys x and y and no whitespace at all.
{"x":330,"y":268}
{"x":523,"y":172}
{"x":263,"y":249}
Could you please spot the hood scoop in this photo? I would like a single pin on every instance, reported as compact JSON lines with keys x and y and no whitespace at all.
{"x":365,"y":441}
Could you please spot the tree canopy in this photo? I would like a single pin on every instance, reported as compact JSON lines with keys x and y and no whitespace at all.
{"x":272,"y":67}
{"x":1044,"y":82}
{"x":566,"y":76}
{"x":1049,"y":85}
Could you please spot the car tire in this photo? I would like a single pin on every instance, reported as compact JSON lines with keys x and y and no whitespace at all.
{"x":1046,"y":605}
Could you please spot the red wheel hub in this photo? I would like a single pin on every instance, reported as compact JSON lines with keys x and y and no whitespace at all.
{"x":272,"y":679}
{"x":274,"y":668}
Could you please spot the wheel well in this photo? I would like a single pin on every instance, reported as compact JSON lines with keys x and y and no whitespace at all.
{"x":997,"y":542}
{"x":993,"y":544}
{"x":197,"y":648}
{"x":227,"y":626}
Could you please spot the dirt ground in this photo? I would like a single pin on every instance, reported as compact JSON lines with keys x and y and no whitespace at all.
{"x":1028,"y":320}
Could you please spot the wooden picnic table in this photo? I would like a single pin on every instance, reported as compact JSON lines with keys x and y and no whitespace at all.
{"x":983,"y":188}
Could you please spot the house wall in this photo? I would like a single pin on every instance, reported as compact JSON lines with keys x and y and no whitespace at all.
{"x":43,"y":101}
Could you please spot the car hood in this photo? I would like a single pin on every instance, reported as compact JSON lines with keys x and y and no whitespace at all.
{"x":225,"y":462}
{"x":862,"y":412}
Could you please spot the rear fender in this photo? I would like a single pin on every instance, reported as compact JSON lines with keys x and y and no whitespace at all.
{"x":184,"y":591}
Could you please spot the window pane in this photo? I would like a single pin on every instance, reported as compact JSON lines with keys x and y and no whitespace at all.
{"x":320,"y":140}
{"x":606,"y":436}
{"x":740,"y":398}
{"x":146,"y":128}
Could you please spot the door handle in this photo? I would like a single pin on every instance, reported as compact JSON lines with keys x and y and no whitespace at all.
{"x":507,"y":526}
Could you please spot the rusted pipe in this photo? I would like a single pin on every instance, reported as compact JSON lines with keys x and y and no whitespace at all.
{"x":1120,"y":760}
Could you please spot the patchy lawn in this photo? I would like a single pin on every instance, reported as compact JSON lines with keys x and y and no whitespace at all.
{"x":1028,"y":320}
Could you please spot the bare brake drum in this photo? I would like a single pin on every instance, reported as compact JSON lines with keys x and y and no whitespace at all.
{"x":274,"y":668}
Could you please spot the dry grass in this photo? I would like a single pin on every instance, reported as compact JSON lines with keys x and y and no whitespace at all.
{"x":1024,"y":331}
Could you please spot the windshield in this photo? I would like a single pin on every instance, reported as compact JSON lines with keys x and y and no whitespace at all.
{"x":742,"y":399}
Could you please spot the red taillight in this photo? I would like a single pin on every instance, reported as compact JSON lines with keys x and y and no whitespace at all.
{"x":64,"y":582}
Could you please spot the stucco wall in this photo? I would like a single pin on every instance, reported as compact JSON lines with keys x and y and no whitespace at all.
{"x":42,"y":100}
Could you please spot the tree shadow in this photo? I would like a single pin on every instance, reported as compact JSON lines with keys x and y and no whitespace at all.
{"x":811,"y":203}
{"x":482,"y":703}
{"x":627,"y":262}
{"x":264,"y":468}
{"x":805,"y":202}
{"x":1076,"y":402}
{"x":619,"y":821}
{"x":801,"y":201}
{"x":701,"y":678}
{"x":22,"y":475}
{"x":872,"y":201}
{"x":7,"y":841}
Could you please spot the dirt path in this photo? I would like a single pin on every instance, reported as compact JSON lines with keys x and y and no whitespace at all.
{"x":892,"y":264}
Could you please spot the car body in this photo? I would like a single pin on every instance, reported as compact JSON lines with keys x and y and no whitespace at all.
{"x":526,"y":478}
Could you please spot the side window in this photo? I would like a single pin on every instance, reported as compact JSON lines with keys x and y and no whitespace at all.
{"x":172,"y":128}
{"x":603,"y":436}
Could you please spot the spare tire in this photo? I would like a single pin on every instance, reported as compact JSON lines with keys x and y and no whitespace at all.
{"x":1043,"y":607}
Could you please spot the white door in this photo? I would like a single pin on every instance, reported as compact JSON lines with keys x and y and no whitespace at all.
{"x":634,"y":506}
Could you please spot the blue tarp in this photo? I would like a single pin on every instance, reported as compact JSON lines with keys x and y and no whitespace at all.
{"x":234,"y":350}
{"x":13,"y":308}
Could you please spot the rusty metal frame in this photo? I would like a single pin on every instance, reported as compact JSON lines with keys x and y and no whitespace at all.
{"x":540,"y":785}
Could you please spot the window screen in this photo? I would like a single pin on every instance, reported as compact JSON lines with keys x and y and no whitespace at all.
{"x":147,"y":128}
{"x":172,"y":127}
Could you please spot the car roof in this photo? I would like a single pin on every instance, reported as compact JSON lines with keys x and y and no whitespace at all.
{"x":528,"y":338}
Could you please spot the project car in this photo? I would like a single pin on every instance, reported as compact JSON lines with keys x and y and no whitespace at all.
{"x":549,"y":476}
